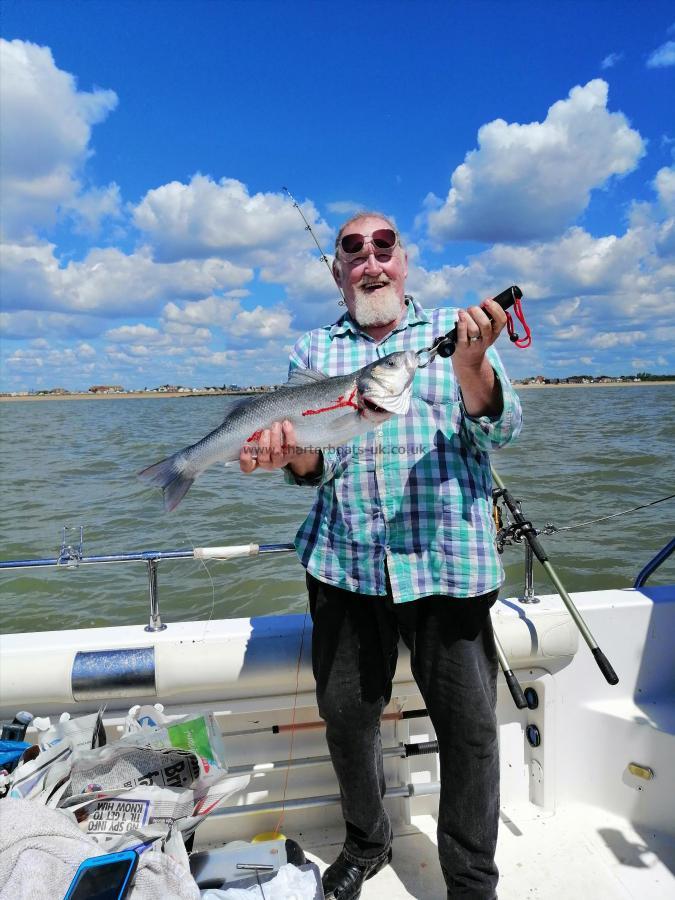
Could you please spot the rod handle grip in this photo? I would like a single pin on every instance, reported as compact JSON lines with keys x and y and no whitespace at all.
{"x":515,"y":688}
{"x":605,"y":666}
{"x":508,"y":297}
{"x":422,"y":748}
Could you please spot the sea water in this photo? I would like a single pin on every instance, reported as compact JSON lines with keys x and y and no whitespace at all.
{"x":584,"y":452}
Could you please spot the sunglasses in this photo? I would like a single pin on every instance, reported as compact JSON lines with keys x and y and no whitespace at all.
{"x":383,"y":240}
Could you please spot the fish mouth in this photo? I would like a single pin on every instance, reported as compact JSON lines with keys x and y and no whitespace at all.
{"x":373,"y":407}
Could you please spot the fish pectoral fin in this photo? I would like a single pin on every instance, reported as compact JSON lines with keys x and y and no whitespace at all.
{"x":347,"y":426}
{"x":304,"y":376}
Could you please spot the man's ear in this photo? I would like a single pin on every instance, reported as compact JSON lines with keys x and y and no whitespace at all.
{"x":337,"y":274}
{"x":405,"y":264}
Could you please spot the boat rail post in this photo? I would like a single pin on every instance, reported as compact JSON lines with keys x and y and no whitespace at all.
{"x":529,"y":595}
{"x":155,"y":623}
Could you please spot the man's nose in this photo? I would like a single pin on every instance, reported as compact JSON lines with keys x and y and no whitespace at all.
{"x":372,"y":264}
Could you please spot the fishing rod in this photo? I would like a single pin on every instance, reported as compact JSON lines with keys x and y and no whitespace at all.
{"x":309,"y":228}
{"x":319,"y":723}
{"x":524,"y":529}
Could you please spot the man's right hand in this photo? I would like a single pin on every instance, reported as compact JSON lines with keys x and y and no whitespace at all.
{"x":276,"y":448}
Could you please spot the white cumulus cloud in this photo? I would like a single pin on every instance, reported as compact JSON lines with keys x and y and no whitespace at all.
{"x":46,"y":124}
{"x":663,"y":56}
{"x":611,"y":60}
{"x":664,"y":184}
{"x":108,"y":282}
{"x":527,"y":182}
{"x":220,"y":218}
{"x":228,"y":315}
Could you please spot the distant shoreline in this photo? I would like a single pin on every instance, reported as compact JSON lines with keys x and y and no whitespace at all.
{"x":141,"y":395}
{"x":607,"y":384}
{"x":138,"y":395}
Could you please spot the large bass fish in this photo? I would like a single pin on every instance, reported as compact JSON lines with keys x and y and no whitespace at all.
{"x":324,"y":411}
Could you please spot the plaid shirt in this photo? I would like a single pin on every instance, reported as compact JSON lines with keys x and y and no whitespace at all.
{"x":415,"y":493}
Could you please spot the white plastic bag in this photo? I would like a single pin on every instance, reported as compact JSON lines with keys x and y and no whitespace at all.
{"x":290,"y":883}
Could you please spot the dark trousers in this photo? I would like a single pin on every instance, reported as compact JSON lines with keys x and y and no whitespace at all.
{"x":453,"y":660}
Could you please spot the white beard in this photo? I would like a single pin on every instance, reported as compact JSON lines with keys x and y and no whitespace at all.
{"x":377,"y":309}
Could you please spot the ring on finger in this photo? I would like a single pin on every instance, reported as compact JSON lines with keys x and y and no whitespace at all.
{"x":478,"y":337}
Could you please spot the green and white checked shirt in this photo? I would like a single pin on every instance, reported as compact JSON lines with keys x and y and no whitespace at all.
{"x":416,"y":493}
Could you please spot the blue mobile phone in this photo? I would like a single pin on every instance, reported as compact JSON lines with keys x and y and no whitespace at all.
{"x":104,"y":877}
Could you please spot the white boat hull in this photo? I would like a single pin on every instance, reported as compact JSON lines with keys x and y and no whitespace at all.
{"x":575,"y":821}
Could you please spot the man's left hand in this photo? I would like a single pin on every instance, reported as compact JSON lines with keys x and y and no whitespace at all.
{"x":476,"y":332}
{"x":481,"y":390}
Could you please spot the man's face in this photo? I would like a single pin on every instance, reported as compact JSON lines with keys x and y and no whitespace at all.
{"x":373,"y":282}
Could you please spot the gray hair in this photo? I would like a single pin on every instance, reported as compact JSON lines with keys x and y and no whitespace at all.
{"x":367,"y":214}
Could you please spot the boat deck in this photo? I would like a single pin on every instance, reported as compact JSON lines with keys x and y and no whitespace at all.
{"x":577,"y":821}
{"x":580,"y":851}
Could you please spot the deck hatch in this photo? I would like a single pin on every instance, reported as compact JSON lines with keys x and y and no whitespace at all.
{"x":105,"y":674}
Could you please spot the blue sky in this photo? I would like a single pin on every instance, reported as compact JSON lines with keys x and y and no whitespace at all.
{"x":146,"y":239}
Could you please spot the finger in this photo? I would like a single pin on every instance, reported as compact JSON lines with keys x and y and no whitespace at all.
{"x":472,"y":327}
{"x":264,"y":448}
{"x":276,"y":444}
{"x":289,"y":441}
{"x":247,"y":461}
{"x":498,"y":315}
{"x":462,"y":336}
{"x":484,"y":323}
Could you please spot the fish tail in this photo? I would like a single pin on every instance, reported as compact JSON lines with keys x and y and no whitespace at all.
{"x":173,"y":476}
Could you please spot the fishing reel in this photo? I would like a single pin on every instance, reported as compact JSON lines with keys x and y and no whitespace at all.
{"x":510,"y":532}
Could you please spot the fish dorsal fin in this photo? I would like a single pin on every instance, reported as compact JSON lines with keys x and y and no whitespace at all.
{"x":304,"y":376}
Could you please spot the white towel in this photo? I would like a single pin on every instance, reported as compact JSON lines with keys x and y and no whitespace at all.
{"x":41,"y":848}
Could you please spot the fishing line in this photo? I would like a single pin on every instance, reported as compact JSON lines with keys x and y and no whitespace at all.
{"x":309,"y":228}
{"x":295,"y":706}
{"x":553,"y":529}
{"x":192,"y":546}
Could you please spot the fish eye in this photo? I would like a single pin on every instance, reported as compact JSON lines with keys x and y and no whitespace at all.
{"x":390,"y":362}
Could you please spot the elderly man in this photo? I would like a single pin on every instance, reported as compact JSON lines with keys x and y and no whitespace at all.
{"x":400,"y":543}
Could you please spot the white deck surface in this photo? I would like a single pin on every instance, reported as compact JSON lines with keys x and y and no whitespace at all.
{"x":580,"y":852}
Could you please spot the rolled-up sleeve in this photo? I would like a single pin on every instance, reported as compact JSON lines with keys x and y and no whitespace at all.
{"x":331,"y":463}
{"x":493,"y":432}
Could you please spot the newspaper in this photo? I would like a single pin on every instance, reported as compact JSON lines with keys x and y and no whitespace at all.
{"x":104,"y":815}
{"x":157,"y":782}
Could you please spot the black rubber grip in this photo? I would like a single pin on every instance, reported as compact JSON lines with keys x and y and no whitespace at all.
{"x":446,"y":345}
{"x":537,"y":549}
{"x":414,"y":713}
{"x":515,"y":688}
{"x":421,"y":749}
{"x":605,"y":666}
{"x":508,"y":297}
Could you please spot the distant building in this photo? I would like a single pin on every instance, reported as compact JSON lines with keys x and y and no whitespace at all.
{"x":106,"y":389}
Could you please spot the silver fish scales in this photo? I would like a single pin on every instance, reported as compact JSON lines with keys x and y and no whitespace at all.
{"x":323,"y":411}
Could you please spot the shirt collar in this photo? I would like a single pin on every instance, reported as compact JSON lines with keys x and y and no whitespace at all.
{"x":416,"y":315}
